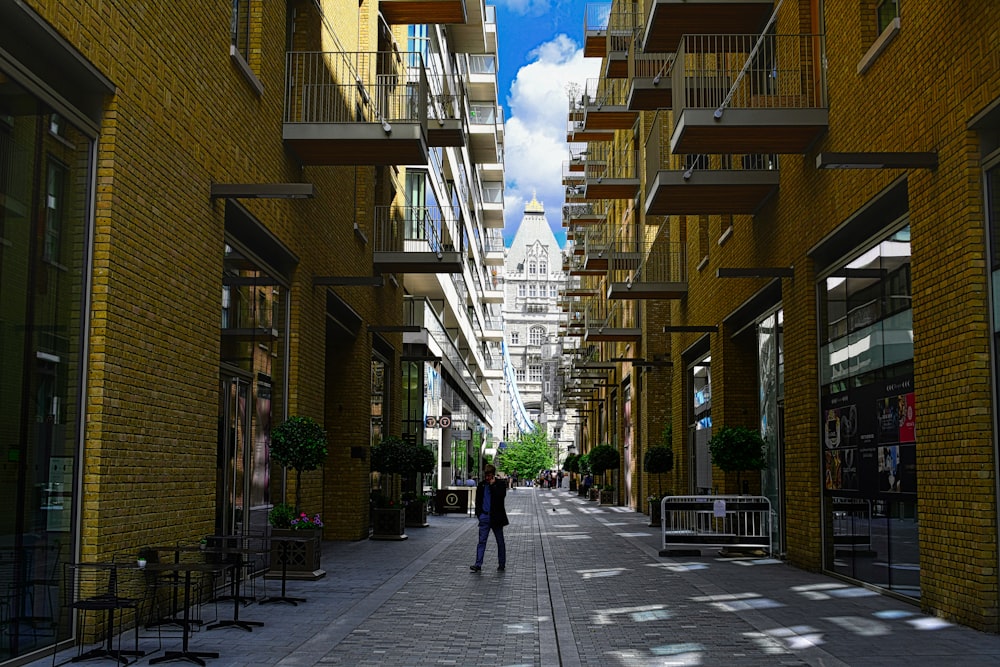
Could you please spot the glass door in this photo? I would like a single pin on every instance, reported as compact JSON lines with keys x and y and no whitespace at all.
{"x":234,"y":454}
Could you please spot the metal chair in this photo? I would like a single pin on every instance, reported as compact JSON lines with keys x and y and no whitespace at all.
{"x":100,"y":594}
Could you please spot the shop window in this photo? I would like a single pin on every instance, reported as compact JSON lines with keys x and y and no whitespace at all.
{"x":54,"y":197}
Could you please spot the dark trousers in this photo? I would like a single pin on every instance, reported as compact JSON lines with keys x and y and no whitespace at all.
{"x":484,"y":534}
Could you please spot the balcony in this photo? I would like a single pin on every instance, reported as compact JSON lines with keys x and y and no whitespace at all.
{"x":356,"y":108}
{"x":583,"y":215}
{"x":648,"y":269}
{"x":471,"y":37}
{"x":405,"y":12}
{"x":485,"y":137}
{"x":492,"y":328}
{"x":769,"y":94}
{"x":668,"y":20}
{"x":493,"y":247}
{"x":576,"y":132}
{"x":610,"y":322}
{"x":444,"y":114}
{"x":611,"y":171}
{"x":623,"y":26}
{"x":417,"y":239}
{"x":480,"y":76}
{"x":649,"y":81}
{"x":493,"y":204}
{"x":595,"y":29}
{"x":606,"y":106}
{"x":703,"y":184}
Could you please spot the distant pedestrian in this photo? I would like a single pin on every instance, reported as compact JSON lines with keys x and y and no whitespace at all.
{"x":492,"y":516}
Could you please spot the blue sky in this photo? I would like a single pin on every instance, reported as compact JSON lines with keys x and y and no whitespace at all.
{"x":541,"y":54}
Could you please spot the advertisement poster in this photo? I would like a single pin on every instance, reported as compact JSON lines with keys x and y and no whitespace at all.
{"x":869,"y":439}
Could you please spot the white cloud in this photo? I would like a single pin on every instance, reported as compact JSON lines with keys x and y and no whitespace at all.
{"x":535,"y":145}
{"x":525,"y":7}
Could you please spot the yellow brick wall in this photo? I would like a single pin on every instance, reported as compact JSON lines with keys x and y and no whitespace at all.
{"x":183,"y":117}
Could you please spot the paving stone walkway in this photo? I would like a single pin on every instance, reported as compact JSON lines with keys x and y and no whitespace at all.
{"x":585,"y":586}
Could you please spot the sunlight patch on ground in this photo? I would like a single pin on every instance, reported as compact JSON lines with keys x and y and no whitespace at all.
{"x":894,"y":614}
{"x":680,"y":567}
{"x":612,"y":523}
{"x":738,"y":602}
{"x":634,"y":534}
{"x":575,"y":536}
{"x":930,"y":623}
{"x":751,"y":562}
{"x":861,"y":626}
{"x":596,"y":574}
{"x":525,"y":628}
{"x":565,"y":525}
{"x":635,"y":658}
{"x":798,"y":637}
{"x":768,"y":645}
{"x":639,"y":614}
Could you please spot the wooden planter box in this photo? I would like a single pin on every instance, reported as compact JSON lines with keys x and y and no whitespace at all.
{"x":388,"y":523}
{"x":595,"y":494}
{"x":416,"y":514}
{"x":609,"y":497}
{"x":303,"y":557}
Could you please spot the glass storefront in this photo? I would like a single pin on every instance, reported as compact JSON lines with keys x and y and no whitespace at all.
{"x":868,"y":418}
{"x":46,"y":172}
{"x":253,"y":353}
{"x":771,"y":385}
{"x":700,"y":424}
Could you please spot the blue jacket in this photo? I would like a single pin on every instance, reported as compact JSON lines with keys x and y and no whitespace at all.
{"x":498,"y":514}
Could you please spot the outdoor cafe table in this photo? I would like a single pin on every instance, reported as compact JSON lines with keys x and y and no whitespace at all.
{"x":285,"y":542}
{"x":188,"y":569}
{"x":223,"y":548}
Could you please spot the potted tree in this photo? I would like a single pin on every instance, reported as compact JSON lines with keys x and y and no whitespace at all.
{"x":421,"y":462}
{"x":390,"y":458}
{"x":658,"y":460}
{"x":735,"y":449}
{"x":603,"y":458}
{"x":298,"y":443}
{"x":572,"y":466}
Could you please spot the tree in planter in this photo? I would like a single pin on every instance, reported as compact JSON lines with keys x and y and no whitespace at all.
{"x":737,"y":448}
{"x":659,"y":460}
{"x":298,"y":443}
{"x":391,"y":458}
{"x":603,"y":458}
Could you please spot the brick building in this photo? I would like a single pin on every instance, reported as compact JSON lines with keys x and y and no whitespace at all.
{"x":790,"y":226}
{"x":217,"y":215}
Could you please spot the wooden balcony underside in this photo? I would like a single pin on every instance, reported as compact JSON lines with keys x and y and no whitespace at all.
{"x":595,"y":43}
{"x":447,"y":132}
{"x":644,"y":95}
{"x":588,"y":219}
{"x":611,"y":188}
{"x":670,"y":19}
{"x":612,"y":334}
{"x":710,"y":192}
{"x":582,"y":135}
{"x":609,"y":117}
{"x":418,"y":262}
{"x":616,"y":65}
{"x":644,"y":290}
{"x":406,"y":12}
{"x":783,"y":131}
{"x":327,"y":144}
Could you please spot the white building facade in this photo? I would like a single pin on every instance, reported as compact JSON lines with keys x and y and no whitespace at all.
{"x":533,"y":281}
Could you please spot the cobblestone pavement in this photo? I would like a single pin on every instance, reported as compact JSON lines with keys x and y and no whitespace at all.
{"x":584,"y":586}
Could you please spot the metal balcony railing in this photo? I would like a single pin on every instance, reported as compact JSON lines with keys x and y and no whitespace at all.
{"x":749,"y":72}
{"x":416,"y":229}
{"x":355,"y":87}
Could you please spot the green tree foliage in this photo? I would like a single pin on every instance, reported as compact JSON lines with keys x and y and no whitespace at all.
{"x":528,"y":454}
{"x":298,"y":443}
{"x":571,"y":463}
{"x":604,"y":457}
{"x":737,"y":448}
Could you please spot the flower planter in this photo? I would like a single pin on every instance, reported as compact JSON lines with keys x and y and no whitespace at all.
{"x":595,"y":494}
{"x":388,"y":523}
{"x":303,"y":558}
{"x":608,"y":497}
{"x":416,"y":514}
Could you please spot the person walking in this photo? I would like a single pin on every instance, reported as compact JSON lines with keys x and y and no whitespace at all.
{"x":492,"y":516}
